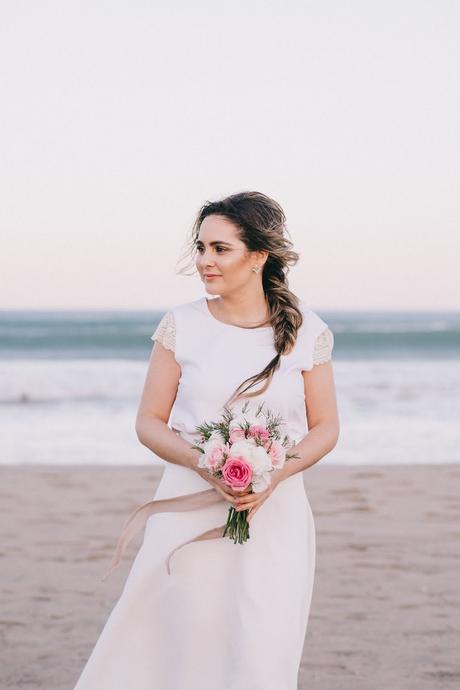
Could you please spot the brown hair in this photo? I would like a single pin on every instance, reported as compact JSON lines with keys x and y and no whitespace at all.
{"x":261,"y":225}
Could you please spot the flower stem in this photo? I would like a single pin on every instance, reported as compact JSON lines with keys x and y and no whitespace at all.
{"x":237,"y":527}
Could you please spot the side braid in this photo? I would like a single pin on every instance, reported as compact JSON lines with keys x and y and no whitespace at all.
{"x":286,"y":318}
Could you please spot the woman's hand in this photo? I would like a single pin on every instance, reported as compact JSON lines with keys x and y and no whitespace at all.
{"x":226,"y":491}
{"x":253,"y":501}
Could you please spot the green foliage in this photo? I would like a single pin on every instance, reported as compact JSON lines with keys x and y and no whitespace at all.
{"x":205,"y":430}
{"x":198,"y":448}
{"x":272,"y":421}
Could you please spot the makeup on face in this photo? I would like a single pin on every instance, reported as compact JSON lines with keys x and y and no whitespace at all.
{"x":222,"y":255}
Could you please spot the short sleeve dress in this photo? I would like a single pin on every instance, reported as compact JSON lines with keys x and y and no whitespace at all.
{"x":228,"y":616}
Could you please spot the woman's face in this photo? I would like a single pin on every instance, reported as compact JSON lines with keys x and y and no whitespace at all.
{"x":222,"y":259}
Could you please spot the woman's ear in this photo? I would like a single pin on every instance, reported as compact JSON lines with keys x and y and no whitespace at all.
{"x":261,"y":257}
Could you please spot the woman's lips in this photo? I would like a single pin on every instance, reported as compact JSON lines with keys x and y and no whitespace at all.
{"x":211,"y":277}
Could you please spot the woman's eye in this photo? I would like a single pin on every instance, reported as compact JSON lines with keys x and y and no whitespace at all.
{"x":218,"y":249}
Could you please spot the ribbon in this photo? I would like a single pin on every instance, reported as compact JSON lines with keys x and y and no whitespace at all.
{"x":138,"y":518}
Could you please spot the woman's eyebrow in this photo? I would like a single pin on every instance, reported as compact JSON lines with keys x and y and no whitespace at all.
{"x":215,"y":242}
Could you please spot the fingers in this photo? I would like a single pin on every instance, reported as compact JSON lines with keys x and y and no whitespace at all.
{"x":237,"y":493}
{"x":249,"y":505}
{"x":251,"y":498}
{"x":226,"y":493}
{"x":253,"y":501}
{"x":221,"y":488}
{"x":252,"y":513}
{"x":235,"y":496}
{"x":228,"y":497}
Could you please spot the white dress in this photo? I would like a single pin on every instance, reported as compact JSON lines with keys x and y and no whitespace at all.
{"x":228,"y":616}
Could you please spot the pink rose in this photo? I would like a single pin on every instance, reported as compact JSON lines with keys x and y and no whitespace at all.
{"x":236,"y":435}
{"x":216,"y":456}
{"x":237,"y":473}
{"x":259,"y":432}
{"x":277,"y":452}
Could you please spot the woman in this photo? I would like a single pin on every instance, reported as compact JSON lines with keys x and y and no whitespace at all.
{"x":227,"y":616}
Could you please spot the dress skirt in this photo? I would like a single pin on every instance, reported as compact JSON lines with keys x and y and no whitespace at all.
{"x":228,"y":616}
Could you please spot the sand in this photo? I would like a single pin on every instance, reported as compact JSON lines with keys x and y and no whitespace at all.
{"x":386,"y":603}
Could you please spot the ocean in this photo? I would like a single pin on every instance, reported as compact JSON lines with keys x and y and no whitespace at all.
{"x":70,"y":384}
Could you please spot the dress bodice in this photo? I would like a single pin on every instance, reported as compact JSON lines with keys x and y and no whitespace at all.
{"x":215,"y":357}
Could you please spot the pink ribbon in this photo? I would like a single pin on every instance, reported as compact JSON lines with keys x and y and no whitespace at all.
{"x":138,"y":518}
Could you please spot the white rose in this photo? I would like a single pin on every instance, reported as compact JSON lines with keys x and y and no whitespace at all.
{"x":255,"y":455}
{"x":261,"y":482}
{"x":243,"y":449}
{"x":261,"y":461}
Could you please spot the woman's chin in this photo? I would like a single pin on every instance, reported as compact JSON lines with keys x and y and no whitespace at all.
{"x":209,"y":287}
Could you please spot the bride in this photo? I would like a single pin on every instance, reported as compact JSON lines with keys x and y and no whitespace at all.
{"x":225,"y":616}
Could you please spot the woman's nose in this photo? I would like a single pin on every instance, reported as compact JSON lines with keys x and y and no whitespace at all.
{"x":206,"y":259}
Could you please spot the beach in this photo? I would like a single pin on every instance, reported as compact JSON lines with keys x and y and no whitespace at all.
{"x":386,"y":599}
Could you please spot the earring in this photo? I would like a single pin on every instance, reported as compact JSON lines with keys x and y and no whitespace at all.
{"x":256,"y":269}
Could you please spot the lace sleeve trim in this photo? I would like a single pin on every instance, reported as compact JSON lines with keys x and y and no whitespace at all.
{"x":323,"y":347}
{"x":165,"y":332}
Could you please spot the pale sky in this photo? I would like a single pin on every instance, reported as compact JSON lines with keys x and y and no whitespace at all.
{"x":119,"y":119}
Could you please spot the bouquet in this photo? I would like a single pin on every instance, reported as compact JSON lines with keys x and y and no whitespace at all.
{"x":243,"y":450}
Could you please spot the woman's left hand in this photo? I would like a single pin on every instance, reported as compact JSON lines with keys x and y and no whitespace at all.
{"x":253,"y":501}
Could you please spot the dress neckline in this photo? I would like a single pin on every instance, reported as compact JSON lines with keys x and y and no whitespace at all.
{"x":205,"y":304}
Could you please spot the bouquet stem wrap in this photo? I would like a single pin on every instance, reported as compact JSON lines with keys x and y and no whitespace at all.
{"x":138,"y":518}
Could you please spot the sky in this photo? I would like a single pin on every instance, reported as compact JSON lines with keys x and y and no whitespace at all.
{"x":119,"y":120}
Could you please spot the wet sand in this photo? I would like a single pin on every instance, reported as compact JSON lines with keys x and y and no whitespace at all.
{"x":386,"y":602}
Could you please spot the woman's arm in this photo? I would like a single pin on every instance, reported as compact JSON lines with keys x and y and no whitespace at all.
{"x":323,"y":420}
{"x":158,"y":395}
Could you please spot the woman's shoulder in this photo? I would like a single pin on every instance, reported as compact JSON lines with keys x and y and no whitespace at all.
{"x":183,"y":308}
{"x":316,"y":339}
{"x":313,"y":323}
{"x":173,"y":320}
